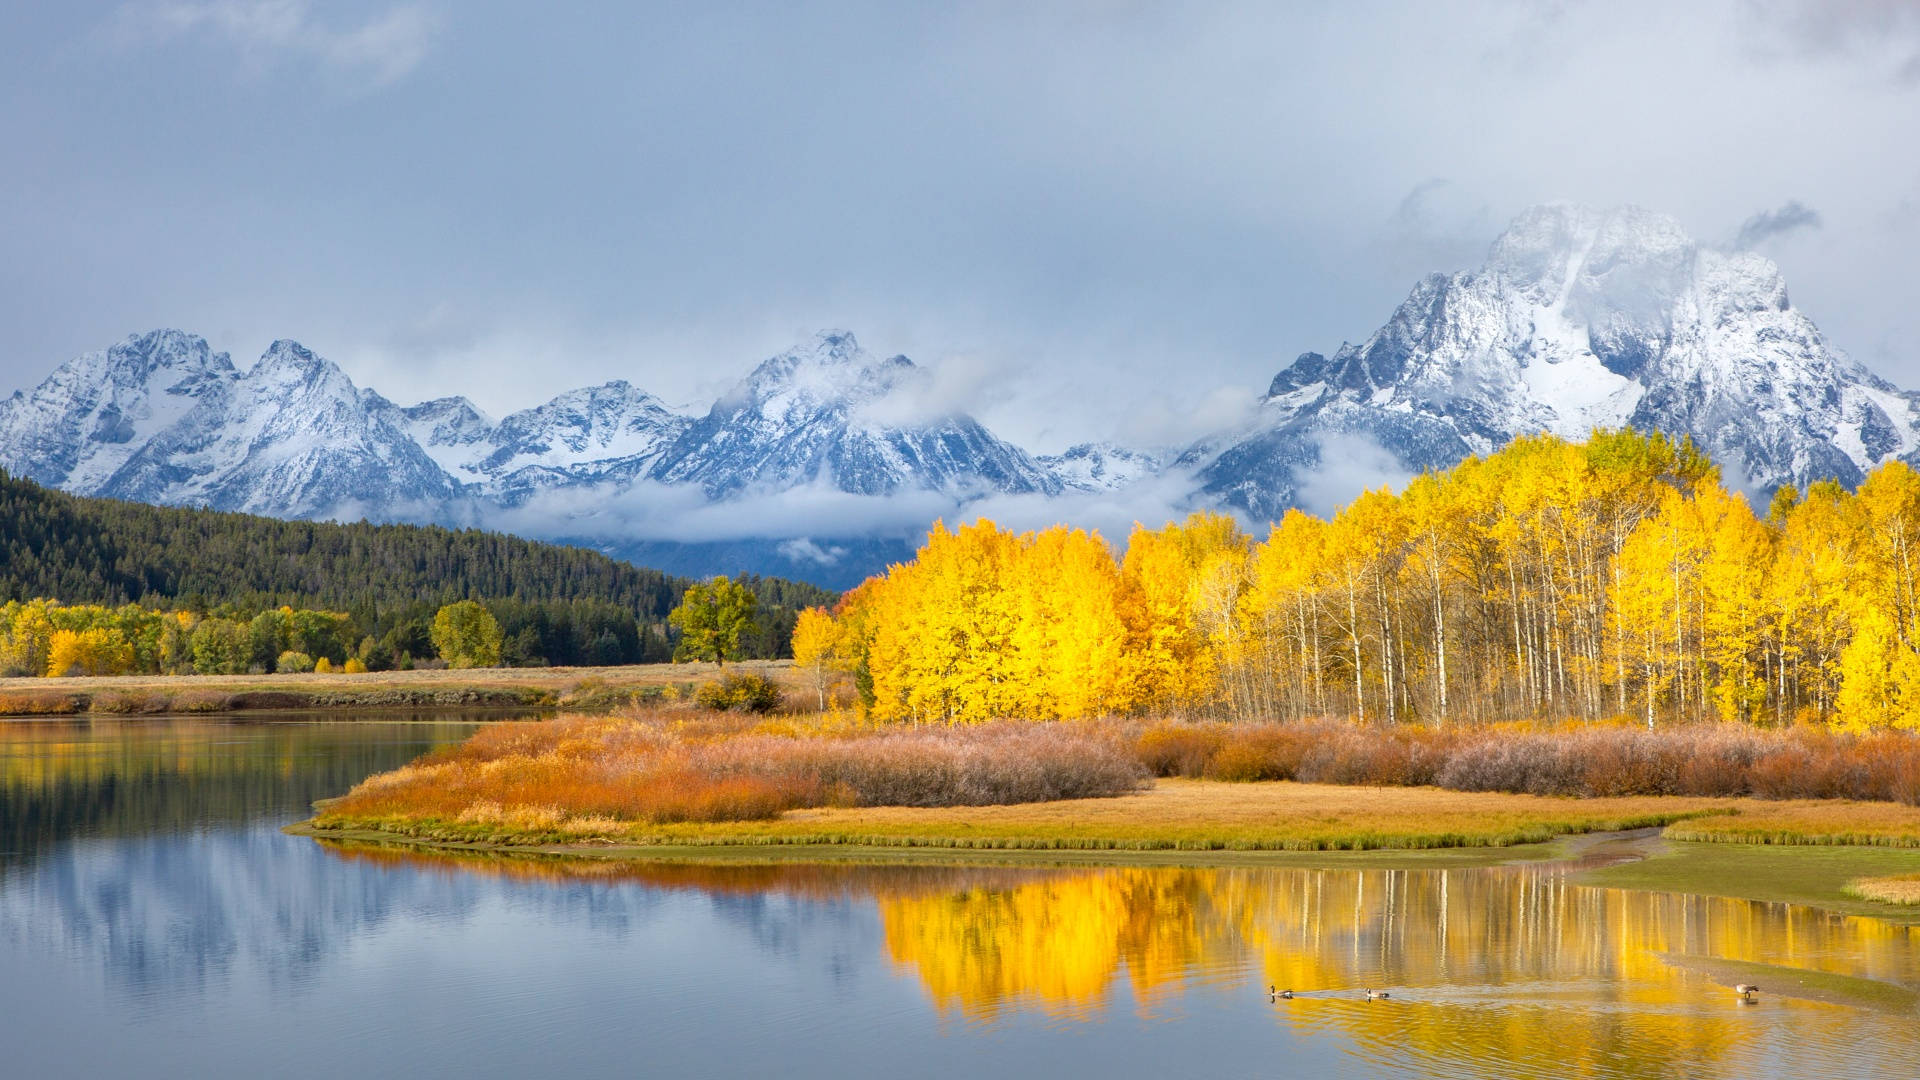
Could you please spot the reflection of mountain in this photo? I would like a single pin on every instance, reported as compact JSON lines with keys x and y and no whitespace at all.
{"x":173,"y":913}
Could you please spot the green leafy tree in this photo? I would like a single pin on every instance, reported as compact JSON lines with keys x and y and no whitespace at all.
{"x":715,"y":619}
{"x":221,"y":647}
{"x":466,"y":635}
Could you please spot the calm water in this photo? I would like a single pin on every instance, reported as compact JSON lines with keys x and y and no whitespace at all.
{"x":155,"y":922}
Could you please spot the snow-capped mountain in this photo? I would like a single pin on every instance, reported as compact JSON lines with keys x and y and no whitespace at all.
{"x":830,"y":410}
{"x":1579,"y":319}
{"x":162,"y":418}
{"x":1100,"y":467}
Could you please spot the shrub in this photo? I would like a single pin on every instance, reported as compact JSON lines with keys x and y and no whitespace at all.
{"x":291,"y":662}
{"x":978,"y":765}
{"x":1179,"y":749}
{"x":743,"y":692}
{"x":323,"y":666}
{"x":354,"y":666}
{"x":543,"y":776}
{"x":1266,"y":752}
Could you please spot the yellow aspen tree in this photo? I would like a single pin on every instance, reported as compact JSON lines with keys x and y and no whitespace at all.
{"x":816,"y":642}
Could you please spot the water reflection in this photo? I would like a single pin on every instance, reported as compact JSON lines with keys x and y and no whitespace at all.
{"x":1509,"y":970}
{"x":61,"y":779}
{"x":150,"y":885}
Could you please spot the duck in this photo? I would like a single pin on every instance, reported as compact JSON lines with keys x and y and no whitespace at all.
{"x":1275,"y":995}
{"x":1376,"y":995}
{"x":1746,"y":991}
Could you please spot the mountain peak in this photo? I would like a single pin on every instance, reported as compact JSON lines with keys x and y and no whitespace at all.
{"x":1580,"y":318}
{"x":139,"y":356}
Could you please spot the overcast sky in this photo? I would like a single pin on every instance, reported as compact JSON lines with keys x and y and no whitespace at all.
{"x":1101,"y":220}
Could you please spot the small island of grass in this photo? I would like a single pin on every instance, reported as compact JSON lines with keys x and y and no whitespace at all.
{"x":687,"y":779}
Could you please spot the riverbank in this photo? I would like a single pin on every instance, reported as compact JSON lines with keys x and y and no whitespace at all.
{"x":584,"y":689}
{"x":1212,"y":823}
{"x":1640,"y":860}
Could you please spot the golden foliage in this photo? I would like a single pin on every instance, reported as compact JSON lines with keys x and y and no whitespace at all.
{"x":1551,"y":580}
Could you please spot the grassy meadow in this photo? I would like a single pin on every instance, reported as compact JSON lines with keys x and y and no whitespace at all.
{"x":569,"y":688}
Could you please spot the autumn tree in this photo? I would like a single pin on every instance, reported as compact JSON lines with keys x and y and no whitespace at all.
{"x":816,"y":648}
{"x":465,"y":634}
{"x":714,"y":619}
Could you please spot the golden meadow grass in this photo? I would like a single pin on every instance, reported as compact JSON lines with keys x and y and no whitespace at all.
{"x":1903,"y":889}
{"x":1197,"y":815}
{"x":573,"y":689}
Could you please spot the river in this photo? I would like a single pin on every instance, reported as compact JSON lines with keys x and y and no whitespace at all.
{"x":154,"y":921}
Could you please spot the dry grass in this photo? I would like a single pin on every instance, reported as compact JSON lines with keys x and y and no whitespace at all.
{"x":576,"y":689}
{"x":1902,"y":889}
{"x":1214,"y":815}
{"x":1195,"y":815}
{"x":1807,"y":821}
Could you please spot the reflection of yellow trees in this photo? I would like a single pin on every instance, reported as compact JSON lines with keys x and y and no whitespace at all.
{"x":1058,"y":943}
{"x":1495,"y":971}
{"x":1494,"y":966}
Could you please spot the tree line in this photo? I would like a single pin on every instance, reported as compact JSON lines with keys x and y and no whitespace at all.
{"x":554,"y":604}
{"x":1551,"y":580}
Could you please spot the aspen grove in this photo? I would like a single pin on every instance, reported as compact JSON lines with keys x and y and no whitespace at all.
{"x":1616,"y":578}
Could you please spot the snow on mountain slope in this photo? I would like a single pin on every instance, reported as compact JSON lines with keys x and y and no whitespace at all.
{"x":1100,"y":467}
{"x":1579,"y":319}
{"x":451,"y":430}
{"x":586,"y":434}
{"x":161,"y":418}
{"x":79,"y":427}
{"x":823,"y":412}
{"x":293,"y":437}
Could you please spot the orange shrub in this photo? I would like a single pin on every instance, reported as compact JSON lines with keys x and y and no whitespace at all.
{"x":1179,"y":749}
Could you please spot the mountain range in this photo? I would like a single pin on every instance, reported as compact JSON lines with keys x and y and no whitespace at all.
{"x":1578,"y":318}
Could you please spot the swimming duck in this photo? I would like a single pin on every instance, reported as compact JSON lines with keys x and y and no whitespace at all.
{"x":1275,"y":995}
{"x":1375,"y":995}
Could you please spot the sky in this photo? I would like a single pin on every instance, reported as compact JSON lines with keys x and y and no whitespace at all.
{"x":1110,"y":220}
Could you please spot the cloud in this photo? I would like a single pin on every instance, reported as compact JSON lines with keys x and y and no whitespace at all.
{"x":682,"y":513}
{"x":382,"y":49}
{"x":1349,"y":464}
{"x":959,"y":385}
{"x":803,"y":549}
{"x":812,"y":524}
{"x":1884,"y":33}
{"x":1767,"y":224}
{"x":1438,"y":226}
{"x":1172,"y":420}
